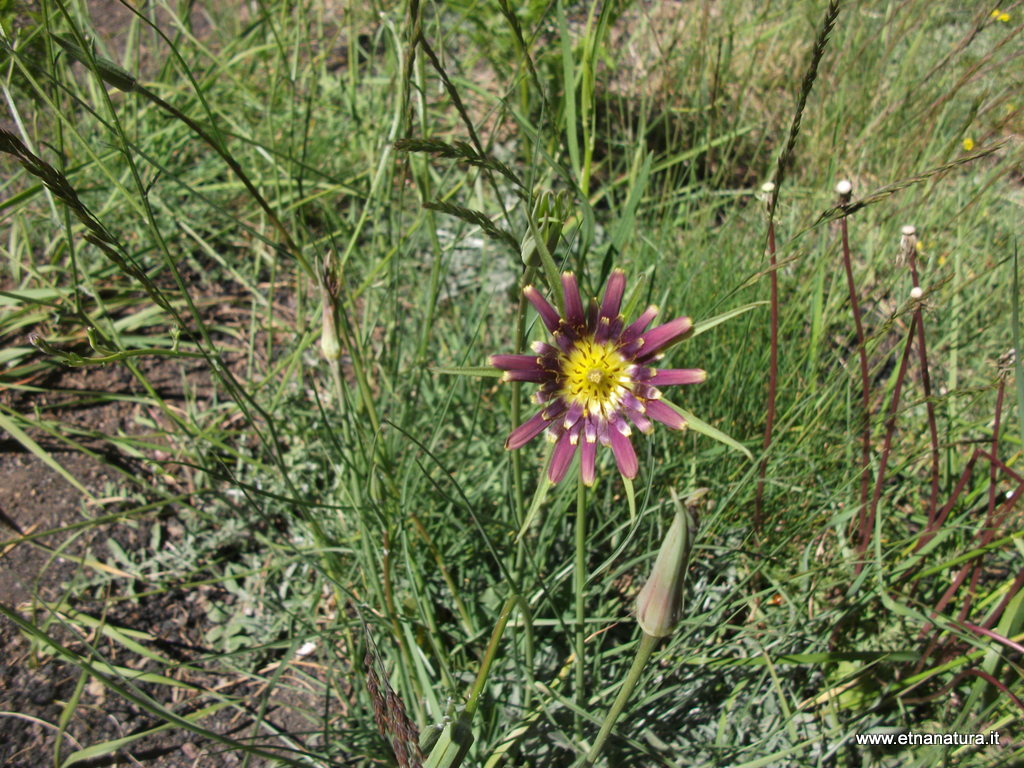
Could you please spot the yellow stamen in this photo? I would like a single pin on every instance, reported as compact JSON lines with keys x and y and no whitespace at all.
{"x":595,"y":376}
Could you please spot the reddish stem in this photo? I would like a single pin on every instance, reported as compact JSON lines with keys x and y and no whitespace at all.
{"x":984,"y":538}
{"x":933,"y":525}
{"x":1010,"y":594}
{"x":926,"y":383}
{"x":868,"y":522}
{"x":989,"y":530}
{"x":995,"y":450}
{"x":865,"y":457}
{"x":773,"y":375}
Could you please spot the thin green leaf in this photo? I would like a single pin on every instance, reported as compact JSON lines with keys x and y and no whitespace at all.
{"x":469,"y":370}
{"x":707,"y":325}
{"x":706,"y":429}
{"x":108,"y":747}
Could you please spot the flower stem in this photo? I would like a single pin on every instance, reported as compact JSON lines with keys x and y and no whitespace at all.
{"x":865,"y":386}
{"x":868,"y":525}
{"x":773,"y":376}
{"x":647,"y":643}
{"x":926,"y":383}
{"x":492,"y":649}
{"x":580,"y":583}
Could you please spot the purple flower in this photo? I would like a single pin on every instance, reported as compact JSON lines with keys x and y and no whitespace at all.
{"x":596,"y":380}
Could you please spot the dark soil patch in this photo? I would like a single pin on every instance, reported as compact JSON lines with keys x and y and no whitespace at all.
{"x":36,"y":684}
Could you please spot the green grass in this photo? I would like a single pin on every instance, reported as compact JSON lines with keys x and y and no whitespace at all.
{"x":372,"y":507}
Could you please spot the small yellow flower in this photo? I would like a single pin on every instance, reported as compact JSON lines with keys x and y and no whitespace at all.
{"x":1004,"y":17}
{"x":968,"y":144}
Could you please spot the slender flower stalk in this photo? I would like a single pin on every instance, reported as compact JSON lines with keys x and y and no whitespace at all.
{"x":908,"y":254}
{"x":596,"y":380}
{"x":659,"y":607}
{"x":580,"y":587}
{"x":868,"y":521}
{"x":768,"y":188}
{"x":844,"y":189}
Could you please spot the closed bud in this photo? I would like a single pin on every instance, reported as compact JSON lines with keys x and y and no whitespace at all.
{"x":329,"y":344}
{"x":659,"y":606}
{"x":550,"y":211}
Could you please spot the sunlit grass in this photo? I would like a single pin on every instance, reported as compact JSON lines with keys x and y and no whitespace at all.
{"x":248,"y":168}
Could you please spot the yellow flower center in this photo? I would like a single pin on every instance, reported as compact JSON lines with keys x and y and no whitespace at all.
{"x":595,"y":375}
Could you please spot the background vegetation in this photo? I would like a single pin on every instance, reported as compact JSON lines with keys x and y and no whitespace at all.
{"x":181,"y":177}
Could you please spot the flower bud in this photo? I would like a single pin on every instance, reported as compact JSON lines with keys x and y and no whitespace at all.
{"x":330,"y":346}
{"x":550,"y":211}
{"x":659,"y":606}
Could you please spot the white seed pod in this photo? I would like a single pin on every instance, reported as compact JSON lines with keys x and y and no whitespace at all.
{"x":908,"y":245}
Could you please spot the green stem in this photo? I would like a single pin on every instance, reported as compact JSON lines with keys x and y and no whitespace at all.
{"x":580,"y":583}
{"x":647,"y":644}
{"x":489,"y":654}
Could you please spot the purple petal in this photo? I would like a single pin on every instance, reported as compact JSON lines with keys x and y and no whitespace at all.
{"x":613,"y":294}
{"x":514,"y":362}
{"x":658,"y":338}
{"x":564,"y":340}
{"x":604,"y":330}
{"x":588,"y":454}
{"x":537,"y":375}
{"x":667,"y":376}
{"x":547,"y":313}
{"x":561,"y":458}
{"x":573,"y":303}
{"x":554,"y":410}
{"x":630,"y":401}
{"x":666,"y":414}
{"x":642,"y":422}
{"x":622,"y":447}
{"x":644,"y":390}
{"x":547,"y":391}
{"x":573,"y":414}
{"x":526,"y":431}
{"x":641,"y":373}
{"x":632,"y":333}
